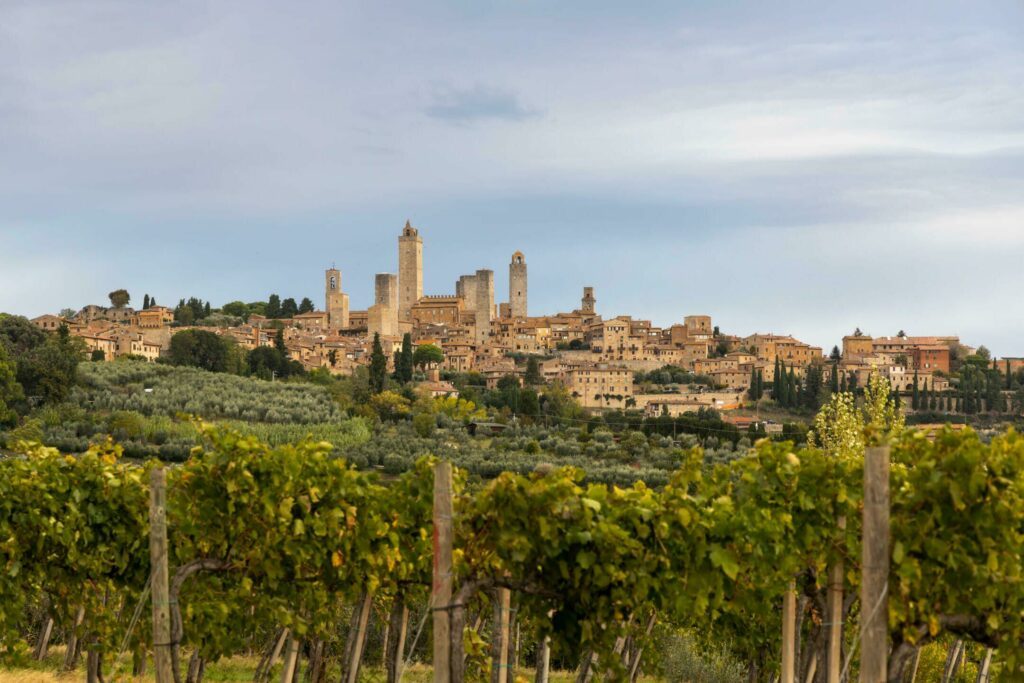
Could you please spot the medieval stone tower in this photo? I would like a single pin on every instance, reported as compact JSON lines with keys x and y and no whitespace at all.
{"x":484,"y":308}
{"x":517,"y":285}
{"x":336,"y":303}
{"x":589,"y":302}
{"x":466,"y":289}
{"x":410,"y":270}
{"x":382,"y":316}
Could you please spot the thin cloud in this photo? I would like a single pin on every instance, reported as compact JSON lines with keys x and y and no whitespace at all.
{"x":479,"y":103}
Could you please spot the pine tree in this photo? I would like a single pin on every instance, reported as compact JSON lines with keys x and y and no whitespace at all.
{"x":378,"y":366}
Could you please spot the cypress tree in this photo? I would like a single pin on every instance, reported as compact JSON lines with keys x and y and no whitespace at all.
{"x":853,"y":383}
{"x":404,"y":370}
{"x":752,"y":392}
{"x":792,"y":389}
{"x":145,"y":302}
{"x":1009,"y":376}
{"x":378,"y":366}
{"x":760,"y":383}
{"x":777,"y":382}
{"x":915,"y":401}
{"x":835,"y":378}
{"x":842,"y":385}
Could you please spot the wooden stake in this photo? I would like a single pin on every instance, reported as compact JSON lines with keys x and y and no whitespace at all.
{"x":71,"y":654}
{"x":356,"y":654}
{"x":158,"y":569}
{"x":543,"y":661}
{"x":917,"y":663}
{"x":396,"y":643}
{"x":499,"y":637}
{"x":789,"y":634}
{"x":874,"y":626}
{"x":43,"y":644}
{"x":836,"y":578}
{"x":291,"y":658}
{"x":986,"y":665}
{"x":441,"y":593}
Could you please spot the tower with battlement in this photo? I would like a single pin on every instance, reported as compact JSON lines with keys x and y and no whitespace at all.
{"x":336,"y":301}
{"x":410,"y":270}
{"x":517,"y":285}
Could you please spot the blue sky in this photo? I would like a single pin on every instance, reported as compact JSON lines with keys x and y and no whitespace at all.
{"x":794,"y":167}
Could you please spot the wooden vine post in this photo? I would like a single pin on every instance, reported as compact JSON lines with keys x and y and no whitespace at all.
{"x":875,"y":562}
{"x":789,"y":634}
{"x":159,"y":576}
{"x":441,"y":592}
{"x":500,"y":637}
{"x":836,"y":577}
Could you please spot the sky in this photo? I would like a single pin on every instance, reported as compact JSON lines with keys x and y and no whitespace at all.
{"x":801,"y":168}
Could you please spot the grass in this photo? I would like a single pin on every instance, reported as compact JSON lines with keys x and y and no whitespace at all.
{"x":228,"y":669}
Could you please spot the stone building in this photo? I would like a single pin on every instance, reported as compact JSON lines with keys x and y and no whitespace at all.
{"x":410,"y":270}
{"x":336,"y":300}
{"x":517,"y":285}
{"x":431,"y":310}
{"x":600,"y":385}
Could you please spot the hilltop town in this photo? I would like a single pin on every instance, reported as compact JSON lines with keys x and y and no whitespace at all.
{"x":605,"y":362}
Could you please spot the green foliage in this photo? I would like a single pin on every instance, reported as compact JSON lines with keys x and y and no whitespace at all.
{"x":404,"y":362}
{"x":427,"y":354}
{"x":533,"y":376}
{"x":425,"y":424}
{"x":119,"y":298}
{"x":378,"y":366}
{"x":199,"y":349}
{"x":11,"y":393}
{"x":46,"y":363}
{"x":172,"y":390}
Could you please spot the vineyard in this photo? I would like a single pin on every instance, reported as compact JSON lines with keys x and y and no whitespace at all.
{"x":291,"y":553}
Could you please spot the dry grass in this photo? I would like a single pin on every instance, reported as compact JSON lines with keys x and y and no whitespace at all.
{"x":229,"y":669}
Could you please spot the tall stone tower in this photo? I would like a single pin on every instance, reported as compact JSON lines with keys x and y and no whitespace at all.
{"x":336,"y":303}
{"x":484,"y":308}
{"x":410,"y":270}
{"x":589,"y":302}
{"x":466,"y":289}
{"x":382,"y":316}
{"x":517,"y":285}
